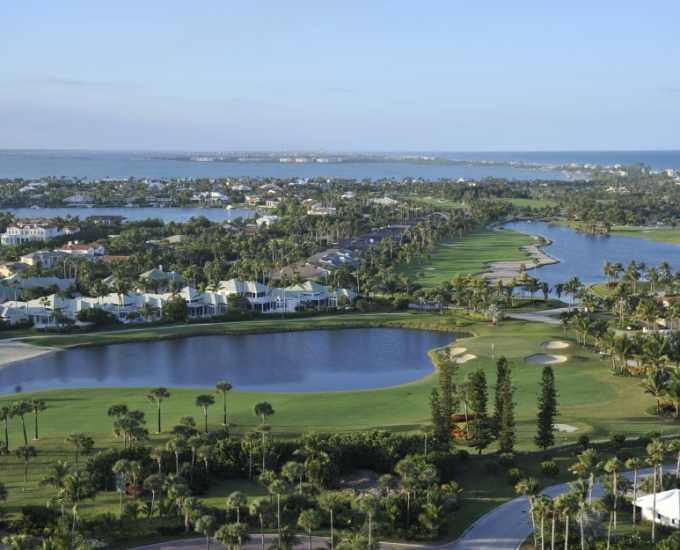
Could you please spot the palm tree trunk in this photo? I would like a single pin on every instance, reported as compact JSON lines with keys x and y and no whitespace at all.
{"x":566,"y":533}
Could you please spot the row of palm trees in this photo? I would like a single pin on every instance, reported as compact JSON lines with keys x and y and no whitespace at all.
{"x":548,"y":515}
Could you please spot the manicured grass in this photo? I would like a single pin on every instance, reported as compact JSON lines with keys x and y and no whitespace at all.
{"x":590,"y":398}
{"x":660,"y":234}
{"x":469,"y":254}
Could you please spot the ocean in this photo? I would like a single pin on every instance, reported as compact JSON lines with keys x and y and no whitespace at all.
{"x":36,"y":164}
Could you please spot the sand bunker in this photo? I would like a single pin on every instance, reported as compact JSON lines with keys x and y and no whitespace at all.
{"x":555,"y":344}
{"x":11,"y":352}
{"x":456,"y":351}
{"x":565,"y":428}
{"x":465,"y":358}
{"x":543,"y":359}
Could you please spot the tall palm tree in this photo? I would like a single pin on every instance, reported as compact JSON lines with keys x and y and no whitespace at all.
{"x":55,"y":476}
{"x":236,"y":501}
{"x":5,"y":415}
{"x":587,"y":464}
{"x":564,"y":505}
{"x":530,"y":488}
{"x":25,"y":453}
{"x":154,"y":483}
{"x":330,"y":502}
{"x":81,"y":442}
{"x":309,"y":520}
{"x":224,"y":388}
{"x":206,"y":525}
{"x":264,"y":410}
{"x":261,"y":508}
{"x":614,"y":466}
{"x":158,"y":395}
{"x":635,"y":464}
{"x":370,"y":506}
{"x":263,"y":430}
{"x":177,"y":446}
{"x":205,"y":401}
{"x":20,"y":409}
{"x":121,"y":469}
{"x":655,"y":385}
{"x":278,"y":487}
{"x":77,"y":488}
{"x":655,"y":450}
{"x":36,"y":405}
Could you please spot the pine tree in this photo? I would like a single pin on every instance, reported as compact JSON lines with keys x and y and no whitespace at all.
{"x":547,"y":410}
{"x":504,"y":414}
{"x":479,"y":428}
{"x":442,"y":400}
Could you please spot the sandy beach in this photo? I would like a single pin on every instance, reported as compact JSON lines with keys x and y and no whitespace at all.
{"x":11,"y":352}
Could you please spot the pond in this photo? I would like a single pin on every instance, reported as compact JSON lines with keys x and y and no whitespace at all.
{"x":324,"y":360}
{"x":583,"y":255}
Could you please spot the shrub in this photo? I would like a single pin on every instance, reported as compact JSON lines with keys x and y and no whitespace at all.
{"x":616,"y":441}
{"x":514,"y":476}
{"x":506,"y":460}
{"x":583,"y":441}
{"x":549,"y":469}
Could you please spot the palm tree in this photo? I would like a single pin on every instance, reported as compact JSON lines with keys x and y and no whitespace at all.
{"x":121,"y":468}
{"x":21,"y":408}
{"x":191,"y":507}
{"x":309,"y":520}
{"x":329,"y":502}
{"x":635,"y":464}
{"x":655,"y":450}
{"x":177,"y":446}
{"x":55,"y":476}
{"x":263,"y":430}
{"x":287,"y":540}
{"x":5,"y":415}
{"x":655,"y":385}
{"x":205,"y":401}
{"x":224,"y":388}
{"x":157,"y":454}
{"x":564,"y":505}
{"x":36,"y":405}
{"x":154,"y":483}
{"x":236,"y":501}
{"x":293,"y":471}
{"x":530,"y":488}
{"x":25,"y":453}
{"x":614,"y":466}
{"x":264,"y":410}
{"x":233,"y":535}
{"x":77,"y":488}
{"x":206,"y":525}
{"x":278,"y":487}
{"x":370,"y":506}
{"x":81,"y":442}
{"x":158,"y":395}
{"x":205,"y":453}
{"x":261,"y":508}
{"x":588,"y":464}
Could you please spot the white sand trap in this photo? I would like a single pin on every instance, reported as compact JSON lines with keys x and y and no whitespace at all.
{"x":543,"y":359}
{"x":565,"y":428}
{"x":465,"y":358}
{"x":555,"y":344}
{"x":456,"y":351}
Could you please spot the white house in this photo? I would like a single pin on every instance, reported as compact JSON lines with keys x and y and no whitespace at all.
{"x":667,"y":508}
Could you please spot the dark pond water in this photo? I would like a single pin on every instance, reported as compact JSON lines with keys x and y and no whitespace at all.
{"x":348,"y":359}
{"x":583,"y":255}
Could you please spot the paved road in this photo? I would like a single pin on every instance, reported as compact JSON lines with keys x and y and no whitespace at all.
{"x":541,"y":316}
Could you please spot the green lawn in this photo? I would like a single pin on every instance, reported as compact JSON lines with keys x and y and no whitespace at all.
{"x":469,"y":254}
{"x":590,"y":398}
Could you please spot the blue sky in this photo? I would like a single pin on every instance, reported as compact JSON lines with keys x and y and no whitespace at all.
{"x":340,"y":76}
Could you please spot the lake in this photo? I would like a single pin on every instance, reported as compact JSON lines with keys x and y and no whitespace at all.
{"x":583,"y":255}
{"x":325,"y":360}
{"x":170,"y":214}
